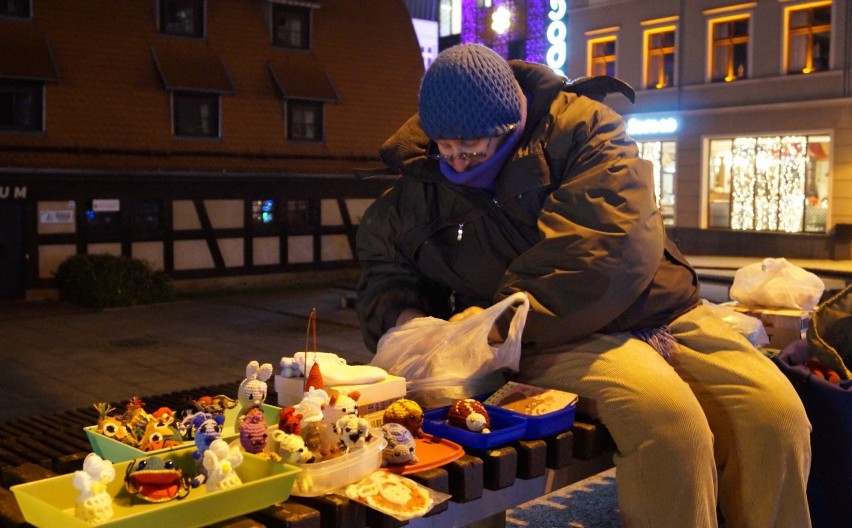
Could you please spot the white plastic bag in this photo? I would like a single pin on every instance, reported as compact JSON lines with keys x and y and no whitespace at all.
{"x":776,"y":283}
{"x":444,"y":361}
{"x":747,"y":326}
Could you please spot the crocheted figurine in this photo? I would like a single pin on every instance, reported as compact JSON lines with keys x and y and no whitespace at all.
{"x":289,"y":420}
{"x":353,"y":431}
{"x":94,"y":503}
{"x":158,"y":436}
{"x":470,"y":415}
{"x":155,"y":480}
{"x":253,"y":435}
{"x":207,"y":429}
{"x":400,"y":447}
{"x":252,"y":391}
{"x":220,"y":463}
{"x":292,"y":448}
{"x":405,"y":412}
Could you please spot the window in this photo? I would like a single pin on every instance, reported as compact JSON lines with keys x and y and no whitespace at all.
{"x":298,"y":213}
{"x":21,"y":105}
{"x":195,"y":114}
{"x":808,"y":38}
{"x":729,"y":49}
{"x":146,"y":219}
{"x":662,"y":156}
{"x":774,"y":183}
{"x":450,"y":18}
{"x":660,"y":58}
{"x":602,"y":56}
{"x":184,"y":18}
{"x":517,"y":49}
{"x":103,"y":219}
{"x":291,"y":26}
{"x":15,"y":8}
{"x":304,"y":120}
{"x":483,"y":3}
{"x":263,"y":212}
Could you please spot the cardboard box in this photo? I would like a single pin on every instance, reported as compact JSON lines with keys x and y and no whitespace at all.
{"x":783,"y":326}
{"x":374,"y":397}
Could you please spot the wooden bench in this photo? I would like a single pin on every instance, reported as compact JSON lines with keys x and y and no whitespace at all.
{"x":482,"y":484}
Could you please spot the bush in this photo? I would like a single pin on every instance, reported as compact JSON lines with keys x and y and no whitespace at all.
{"x":105,"y":281}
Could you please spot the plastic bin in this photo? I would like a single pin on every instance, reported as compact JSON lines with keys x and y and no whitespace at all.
{"x":49,"y":503}
{"x":115,"y":451}
{"x":506,"y":427}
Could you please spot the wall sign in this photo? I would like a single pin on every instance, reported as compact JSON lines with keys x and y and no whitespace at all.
{"x":557,"y":33}
{"x":13,"y":192}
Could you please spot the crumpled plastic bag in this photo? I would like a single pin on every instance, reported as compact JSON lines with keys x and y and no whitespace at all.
{"x":745,"y":325}
{"x":776,"y":283}
{"x":445,"y":361}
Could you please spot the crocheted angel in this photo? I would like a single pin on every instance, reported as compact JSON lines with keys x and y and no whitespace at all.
{"x":94,"y":503}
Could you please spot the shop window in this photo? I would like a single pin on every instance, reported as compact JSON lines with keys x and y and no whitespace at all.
{"x":21,"y":105}
{"x":263,"y":212}
{"x":103,"y":219}
{"x":659,"y":58}
{"x":146,"y":219}
{"x":16,"y":8}
{"x":291,"y":26}
{"x":183,"y":18}
{"x":662,"y":155}
{"x":729,"y":49}
{"x":304,"y":120}
{"x":808,"y":37}
{"x":602,"y":56}
{"x":517,"y":49}
{"x":299,"y":214}
{"x":775,"y":183}
{"x":195,"y":114}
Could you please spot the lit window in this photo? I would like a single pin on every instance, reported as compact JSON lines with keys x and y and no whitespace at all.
{"x":660,"y":57}
{"x":184,"y":18}
{"x":263,"y":212}
{"x":21,"y":105}
{"x":291,"y":26}
{"x":450,"y":18}
{"x":196,"y":114}
{"x":298,"y":213}
{"x":775,"y":183}
{"x":15,"y":8}
{"x":729,"y":49}
{"x":808,"y":38}
{"x":602,"y":56}
{"x":304,"y":120}
{"x":662,"y":155}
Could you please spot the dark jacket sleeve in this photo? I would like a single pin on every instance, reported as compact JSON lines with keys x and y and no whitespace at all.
{"x":602,"y":236}
{"x":388,"y":283}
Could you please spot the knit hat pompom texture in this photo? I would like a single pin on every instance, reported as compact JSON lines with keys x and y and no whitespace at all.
{"x":469,"y":92}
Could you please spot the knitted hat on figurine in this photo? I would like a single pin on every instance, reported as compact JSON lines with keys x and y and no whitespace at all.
{"x":469,"y":92}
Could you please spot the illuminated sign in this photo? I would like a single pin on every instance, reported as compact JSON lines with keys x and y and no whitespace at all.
{"x":7,"y":192}
{"x":642,"y":127}
{"x":557,"y":32}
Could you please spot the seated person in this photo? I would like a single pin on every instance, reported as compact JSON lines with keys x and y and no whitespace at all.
{"x":513,"y":179}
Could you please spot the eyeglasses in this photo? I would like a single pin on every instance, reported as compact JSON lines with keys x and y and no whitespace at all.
{"x":464,"y":156}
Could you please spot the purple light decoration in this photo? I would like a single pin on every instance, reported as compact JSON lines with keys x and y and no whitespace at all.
{"x":475,"y":23}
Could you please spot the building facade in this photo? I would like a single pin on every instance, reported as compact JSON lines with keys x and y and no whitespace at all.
{"x":211,"y":138}
{"x":744,"y":108}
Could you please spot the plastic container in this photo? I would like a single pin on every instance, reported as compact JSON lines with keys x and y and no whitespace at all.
{"x":50,"y":502}
{"x":319,"y":478}
{"x":115,"y":451}
{"x":542,"y":425}
{"x":506,"y":427}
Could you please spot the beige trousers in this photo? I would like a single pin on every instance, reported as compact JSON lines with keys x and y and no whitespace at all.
{"x":718,"y":422}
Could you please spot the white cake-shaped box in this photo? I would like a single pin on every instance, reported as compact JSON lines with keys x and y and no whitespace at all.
{"x":377,"y":388}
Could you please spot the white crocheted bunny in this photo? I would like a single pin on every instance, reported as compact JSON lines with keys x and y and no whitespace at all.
{"x":253,"y":389}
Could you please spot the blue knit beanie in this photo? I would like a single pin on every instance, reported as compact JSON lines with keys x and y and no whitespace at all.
{"x":469,"y":92}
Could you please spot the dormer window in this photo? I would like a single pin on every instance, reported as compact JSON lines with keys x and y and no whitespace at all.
{"x":291,"y":26}
{"x":183,"y":18}
{"x":16,"y":8}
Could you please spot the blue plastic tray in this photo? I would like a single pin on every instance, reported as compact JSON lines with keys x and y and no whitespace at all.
{"x":506,"y":427}
{"x":541,"y":425}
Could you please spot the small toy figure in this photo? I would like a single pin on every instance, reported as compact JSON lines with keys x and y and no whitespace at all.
{"x":340,"y":404}
{"x":401,"y":445}
{"x":207,"y":429}
{"x":292,"y":448}
{"x":220,"y":464}
{"x":289,"y":420}
{"x":354,"y":432}
{"x":469,"y":414}
{"x":156,"y":480}
{"x":94,"y":503}
{"x":113,"y":426}
{"x":158,"y":436}
{"x":253,"y":436}
{"x":252,"y":391}
{"x":405,"y":412}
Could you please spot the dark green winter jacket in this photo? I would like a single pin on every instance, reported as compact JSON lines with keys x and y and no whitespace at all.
{"x":573,"y":223}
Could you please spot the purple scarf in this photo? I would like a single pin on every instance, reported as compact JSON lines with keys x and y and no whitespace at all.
{"x":484,"y":175}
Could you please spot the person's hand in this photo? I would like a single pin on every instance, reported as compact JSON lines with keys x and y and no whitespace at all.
{"x":494,"y":337}
{"x":407,"y":315}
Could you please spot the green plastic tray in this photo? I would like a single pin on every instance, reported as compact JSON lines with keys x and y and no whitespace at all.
{"x":50,"y":502}
{"x":115,"y":451}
